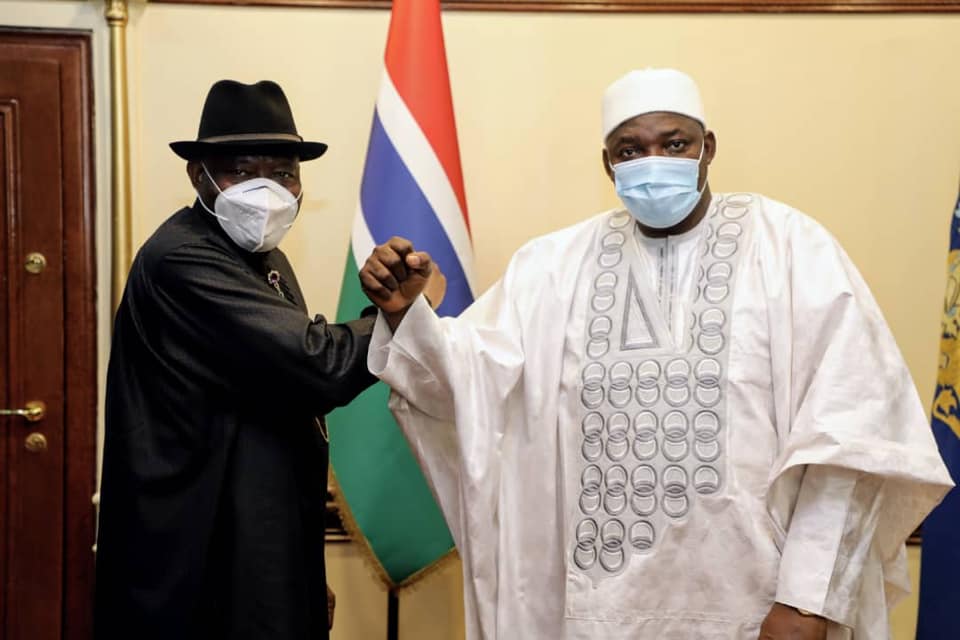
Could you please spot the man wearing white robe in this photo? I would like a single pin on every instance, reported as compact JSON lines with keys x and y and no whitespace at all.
{"x":661,"y":429}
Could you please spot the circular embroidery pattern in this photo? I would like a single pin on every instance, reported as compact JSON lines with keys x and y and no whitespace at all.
{"x":651,"y":430}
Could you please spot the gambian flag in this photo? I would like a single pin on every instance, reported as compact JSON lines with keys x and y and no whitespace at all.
{"x":412,"y":187}
{"x":939,"y":614}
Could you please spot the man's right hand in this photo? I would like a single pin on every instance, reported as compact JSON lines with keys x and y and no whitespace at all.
{"x":393,"y":276}
{"x":784,"y":622}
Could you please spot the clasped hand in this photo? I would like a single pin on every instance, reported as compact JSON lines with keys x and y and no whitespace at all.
{"x":394,"y":275}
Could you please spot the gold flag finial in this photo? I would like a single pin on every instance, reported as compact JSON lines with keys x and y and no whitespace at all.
{"x":116,"y":12}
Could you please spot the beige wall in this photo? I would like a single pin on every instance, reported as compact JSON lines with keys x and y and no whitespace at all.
{"x":852,"y":119}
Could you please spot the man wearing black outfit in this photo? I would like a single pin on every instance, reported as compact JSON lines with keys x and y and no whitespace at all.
{"x":215,"y":455}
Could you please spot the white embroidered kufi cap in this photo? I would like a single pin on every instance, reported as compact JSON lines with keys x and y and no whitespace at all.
{"x":647,"y":91}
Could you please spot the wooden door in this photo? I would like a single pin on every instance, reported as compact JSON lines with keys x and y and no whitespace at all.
{"x":47,"y":336}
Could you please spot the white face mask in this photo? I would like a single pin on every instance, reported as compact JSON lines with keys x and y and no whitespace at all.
{"x":256,"y":214}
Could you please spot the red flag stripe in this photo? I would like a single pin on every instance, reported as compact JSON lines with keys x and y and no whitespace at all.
{"x":417,"y":63}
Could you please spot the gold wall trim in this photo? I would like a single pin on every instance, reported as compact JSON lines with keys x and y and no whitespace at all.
{"x":117,"y":18}
{"x":631,"y":6}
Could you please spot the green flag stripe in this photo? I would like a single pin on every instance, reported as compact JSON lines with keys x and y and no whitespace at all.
{"x":377,"y":473}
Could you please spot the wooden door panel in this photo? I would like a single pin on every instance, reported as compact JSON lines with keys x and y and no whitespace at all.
{"x":36,"y":359}
{"x":47,"y":335}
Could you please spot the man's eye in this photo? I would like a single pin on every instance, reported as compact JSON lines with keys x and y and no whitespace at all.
{"x":677,"y":145}
{"x":238,"y":172}
{"x":628,"y":152}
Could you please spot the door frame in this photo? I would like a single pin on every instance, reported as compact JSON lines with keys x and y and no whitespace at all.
{"x":73,"y":48}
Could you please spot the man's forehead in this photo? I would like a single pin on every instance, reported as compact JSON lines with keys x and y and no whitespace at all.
{"x":656,"y":123}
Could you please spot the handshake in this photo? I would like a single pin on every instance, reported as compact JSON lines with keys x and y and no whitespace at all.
{"x":394,"y":275}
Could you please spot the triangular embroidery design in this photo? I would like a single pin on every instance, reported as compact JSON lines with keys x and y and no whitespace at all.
{"x":637,"y":332}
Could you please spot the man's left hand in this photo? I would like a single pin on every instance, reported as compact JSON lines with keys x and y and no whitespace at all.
{"x":786,"y":623}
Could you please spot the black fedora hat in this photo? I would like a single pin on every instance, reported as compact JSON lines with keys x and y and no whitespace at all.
{"x":247,"y":118}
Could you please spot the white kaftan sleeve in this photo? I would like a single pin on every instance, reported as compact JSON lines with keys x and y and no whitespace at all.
{"x":444,"y":366}
{"x":419,"y":383}
{"x":829,"y":541}
{"x":453,"y":382}
{"x":858,"y":468}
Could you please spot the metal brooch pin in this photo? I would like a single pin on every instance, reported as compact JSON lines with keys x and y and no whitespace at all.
{"x":273,"y":277}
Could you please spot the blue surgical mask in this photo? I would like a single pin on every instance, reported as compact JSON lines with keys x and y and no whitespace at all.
{"x":659,"y":191}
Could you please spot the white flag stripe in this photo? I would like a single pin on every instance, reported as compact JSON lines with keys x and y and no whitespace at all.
{"x":361,"y":240}
{"x":416,"y":153}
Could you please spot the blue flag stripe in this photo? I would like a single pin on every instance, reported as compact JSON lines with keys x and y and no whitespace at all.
{"x":393,"y":204}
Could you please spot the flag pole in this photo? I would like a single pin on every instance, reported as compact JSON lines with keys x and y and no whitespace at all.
{"x":393,"y":615}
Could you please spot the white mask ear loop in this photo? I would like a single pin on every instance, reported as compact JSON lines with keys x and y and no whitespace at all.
{"x":216,"y":186}
{"x":297,"y":214}
{"x":703,"y":145}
